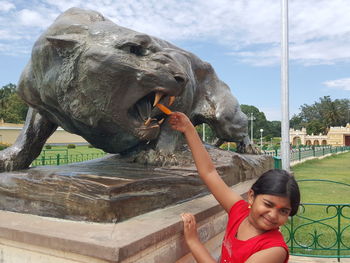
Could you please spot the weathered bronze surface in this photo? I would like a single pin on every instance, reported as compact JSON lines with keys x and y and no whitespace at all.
{"x":101,"y":81}
{"x":113,"y":189}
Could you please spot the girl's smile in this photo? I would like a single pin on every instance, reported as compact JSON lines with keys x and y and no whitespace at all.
{"x":269,"y":222}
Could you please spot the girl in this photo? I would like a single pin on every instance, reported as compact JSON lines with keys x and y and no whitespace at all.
{"x":252,"y":233}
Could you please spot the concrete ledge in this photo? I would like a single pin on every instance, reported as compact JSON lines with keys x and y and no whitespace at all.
{"x":152,"y":237}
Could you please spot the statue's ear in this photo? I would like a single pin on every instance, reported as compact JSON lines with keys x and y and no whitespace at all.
{"x":65,"y":44}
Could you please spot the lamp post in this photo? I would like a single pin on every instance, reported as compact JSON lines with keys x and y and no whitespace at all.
{"x":203,"y":132}
{"x":251,"y":118}
{"x":261,"y":133}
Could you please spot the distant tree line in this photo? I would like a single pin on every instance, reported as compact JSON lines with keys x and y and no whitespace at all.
{"x":316,"y":118}
{"x":320,"y":116}
{"x":12,"y":107}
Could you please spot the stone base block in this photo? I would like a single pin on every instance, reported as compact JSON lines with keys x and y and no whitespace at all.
{"x":154,"y":237}
{"x":113,"y":189}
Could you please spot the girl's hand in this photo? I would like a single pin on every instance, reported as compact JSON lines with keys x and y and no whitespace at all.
{"x":190,"y":228}
{"x":199,"y":251}
{"x":180,"y":122}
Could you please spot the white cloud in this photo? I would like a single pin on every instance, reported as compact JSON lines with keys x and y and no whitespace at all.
{"x":6,"y":34}
{"x":32,"y":18}
{"x":6,"y":6}
{"x":343,"y":84}
{"x":261,"y":57}
{"x":319,"y":29}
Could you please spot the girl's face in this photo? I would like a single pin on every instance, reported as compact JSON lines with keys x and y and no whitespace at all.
{"x":268,"y":212}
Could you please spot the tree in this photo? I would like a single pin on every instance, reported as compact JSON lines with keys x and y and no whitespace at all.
{"x":5,"y":92}
{"x":314,"y":127}
{"x":343,"y":107}
{"x":12,"y":107}
{"x":274,"y":129}
{"x":296,"y":122}
{"x":271,"y":128}
{"x":210,"y":136}
{"x":318,"y":117}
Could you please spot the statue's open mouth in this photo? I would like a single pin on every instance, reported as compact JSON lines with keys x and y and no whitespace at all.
{"x":146,"y":114}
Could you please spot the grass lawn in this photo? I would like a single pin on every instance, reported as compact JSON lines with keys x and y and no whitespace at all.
{"x":58,"y":155}
{"x":335,"y":168}
{"x":316,"y":226}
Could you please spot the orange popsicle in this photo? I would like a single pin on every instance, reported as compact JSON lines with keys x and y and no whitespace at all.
{"x":163,"y":109}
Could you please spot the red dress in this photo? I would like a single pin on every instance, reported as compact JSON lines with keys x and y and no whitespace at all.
{"x":238,"y":251}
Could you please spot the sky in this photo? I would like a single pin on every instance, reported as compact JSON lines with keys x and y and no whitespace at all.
{"x":239,"y":38}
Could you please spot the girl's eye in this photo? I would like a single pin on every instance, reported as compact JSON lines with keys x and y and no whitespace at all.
{"x":284,"y":212}
{"x":268,"y":205}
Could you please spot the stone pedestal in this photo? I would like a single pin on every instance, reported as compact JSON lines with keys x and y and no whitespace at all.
{"x":154,"y":237}
{"x":137,"y":208}
{"x":113,"y":189}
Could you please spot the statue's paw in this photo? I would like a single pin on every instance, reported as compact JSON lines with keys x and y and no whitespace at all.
{"x":248,"y":149}
{"x":6,"y":163}
{"x":251,"y":149}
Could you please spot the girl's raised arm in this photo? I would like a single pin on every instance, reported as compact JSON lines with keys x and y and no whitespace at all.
{"x":206,"y":169}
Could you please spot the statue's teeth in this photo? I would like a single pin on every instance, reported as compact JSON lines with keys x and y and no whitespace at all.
{"x":171,"y":100}
{"x":161,"y":121}
{"x":148,"y":121}
{"x":157,"y":98}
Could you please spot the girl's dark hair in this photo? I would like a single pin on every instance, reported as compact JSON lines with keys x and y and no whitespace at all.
{"x":281,"y":183}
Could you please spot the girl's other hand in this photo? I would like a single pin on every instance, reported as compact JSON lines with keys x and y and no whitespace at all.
{"x":180,"y":122}
{"x":190,"y":228}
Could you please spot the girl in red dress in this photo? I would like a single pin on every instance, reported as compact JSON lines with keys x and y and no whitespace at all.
{"x":252,"y":233}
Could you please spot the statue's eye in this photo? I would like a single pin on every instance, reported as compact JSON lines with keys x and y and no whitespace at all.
{"x":136,"y":50}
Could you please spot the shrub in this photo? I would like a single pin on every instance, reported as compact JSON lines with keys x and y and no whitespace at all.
{"x":90,"y":146}
{"x":225,"y":146}
{"x":3,"y":146}
{"x":48,"y":146}
{"x":71,"y":146}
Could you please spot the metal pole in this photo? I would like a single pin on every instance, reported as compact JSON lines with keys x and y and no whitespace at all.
{"x":251,"y":128}
{"x":203,"y":133}
{"x":251,"y":118}
{"x":285,"y":145}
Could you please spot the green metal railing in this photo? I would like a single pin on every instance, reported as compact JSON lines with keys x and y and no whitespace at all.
{"x":320,"y":230}
{"x":62,"y":158}
{"x":306,"y":152}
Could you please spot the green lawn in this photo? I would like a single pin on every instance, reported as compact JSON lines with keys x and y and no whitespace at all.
{"x":59,"y":155}
{"x":318,"y":228}
{"x":335,"y":168}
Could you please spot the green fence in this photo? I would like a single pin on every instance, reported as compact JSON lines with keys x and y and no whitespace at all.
{"x":62,"y":157}
{"x":306,"y":152}
{"x":320,"y":230}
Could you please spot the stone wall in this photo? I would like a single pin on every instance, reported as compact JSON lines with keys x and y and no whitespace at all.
{"x":154,"y":237}
{"x":9,"y":133}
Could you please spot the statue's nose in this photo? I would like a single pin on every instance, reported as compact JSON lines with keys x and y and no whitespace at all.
{"x":180,"y":79}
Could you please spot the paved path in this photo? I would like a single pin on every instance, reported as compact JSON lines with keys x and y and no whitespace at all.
{"x":295,"y":259}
